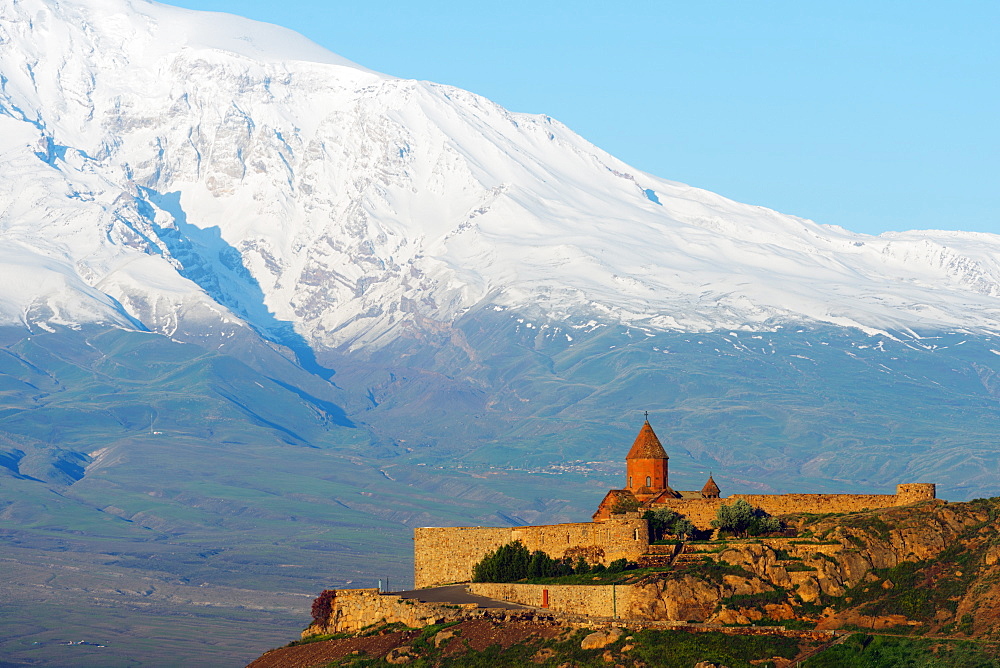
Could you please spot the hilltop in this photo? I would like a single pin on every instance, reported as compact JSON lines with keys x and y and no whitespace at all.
{"x":921,"y":582}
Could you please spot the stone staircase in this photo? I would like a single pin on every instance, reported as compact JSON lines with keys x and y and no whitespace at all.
{"x":676,"y":557}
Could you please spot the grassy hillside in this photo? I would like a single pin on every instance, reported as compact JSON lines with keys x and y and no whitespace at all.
{"x":479,"y":644}
{"x":234,"y":467}
{"x":824,"y":410}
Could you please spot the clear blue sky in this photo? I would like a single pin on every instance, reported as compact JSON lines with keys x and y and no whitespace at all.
{"x":877,"y":115}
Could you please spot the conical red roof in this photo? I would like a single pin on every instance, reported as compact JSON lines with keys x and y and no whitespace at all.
{"x":646,"y":445}
{"x":710,"y":489}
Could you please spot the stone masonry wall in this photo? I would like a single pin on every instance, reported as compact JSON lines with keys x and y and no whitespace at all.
{"x":702,"y":511}
{"x":445,"y":555}
{"x":590,"y":600}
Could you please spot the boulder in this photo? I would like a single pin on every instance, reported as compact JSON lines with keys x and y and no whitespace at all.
{"x":441,"y":637}
{"x":399,"y":655}
{"x":601,"y":639}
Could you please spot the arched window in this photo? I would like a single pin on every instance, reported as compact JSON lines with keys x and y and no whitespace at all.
{"x":630,"y":482}
{"x":649,"y":481}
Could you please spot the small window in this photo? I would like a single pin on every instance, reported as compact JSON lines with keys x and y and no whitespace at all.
{"x":649,"y":481}
{"x":630,"y":482}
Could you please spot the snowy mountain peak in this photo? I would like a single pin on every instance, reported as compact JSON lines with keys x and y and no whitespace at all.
{"x":173,"y":169}
{"x":146,"y":29}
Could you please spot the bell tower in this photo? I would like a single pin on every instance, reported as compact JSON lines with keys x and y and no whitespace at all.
{"x":646,"y":465}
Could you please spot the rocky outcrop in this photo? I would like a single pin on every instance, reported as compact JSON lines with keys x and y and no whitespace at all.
{"x":840,"y":570}
{"x":353,"y":610}
{"x":682,"y":599}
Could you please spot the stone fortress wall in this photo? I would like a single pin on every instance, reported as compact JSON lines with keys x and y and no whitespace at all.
{"x":701,"y":512}
{"x":447,"y":555}
{"x":442,"y":555}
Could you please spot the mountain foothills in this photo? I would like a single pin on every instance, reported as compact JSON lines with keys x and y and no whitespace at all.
{"x":264,"y":310}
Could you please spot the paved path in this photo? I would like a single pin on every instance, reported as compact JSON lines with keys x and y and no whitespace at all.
{"x":455,"y":594}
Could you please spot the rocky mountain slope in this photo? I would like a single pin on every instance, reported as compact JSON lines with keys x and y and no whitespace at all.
{"x":382,"y":250}
{"x":177,"y":170}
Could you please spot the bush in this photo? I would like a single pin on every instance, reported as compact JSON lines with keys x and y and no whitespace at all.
{"x":624,"y":505}
{"x":541,"y":565}
{"x":322,"y":607}
{"x":866,"y":651}
{"x":621,"y":565}
{"x":756,"y":600}
{"x":512,"y":562}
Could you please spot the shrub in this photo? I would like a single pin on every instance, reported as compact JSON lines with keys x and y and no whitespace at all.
{"x":621,"y":565}
{"x":625,"y":504}
{"x":667,"y":522}
{"x":322,"y":607}
{"x":541,"y":565}
{"x":660,"y":522}
{"x":742,"y":519}
{"x":755,"y":600}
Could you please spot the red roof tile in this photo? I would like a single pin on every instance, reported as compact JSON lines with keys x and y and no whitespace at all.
{"x":646,"y":445}
{"x":710,"y":489}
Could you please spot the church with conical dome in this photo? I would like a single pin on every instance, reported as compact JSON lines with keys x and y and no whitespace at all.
{"x":444,"y":555}
{"x":646,"y":479}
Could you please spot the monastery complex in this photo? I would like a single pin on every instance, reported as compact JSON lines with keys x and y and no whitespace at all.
{"x":447,"y":555}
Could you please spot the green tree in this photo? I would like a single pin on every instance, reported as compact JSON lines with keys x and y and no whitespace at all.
{"x":508,"y":563}
{"x":620,"y":565}
{"x":541,"y":565}
{"x":683,"y":528}
{"x":563,"y":566}
{"x":763,"y":523}
{"x":741,"y":519}
{"x":660,"y":522}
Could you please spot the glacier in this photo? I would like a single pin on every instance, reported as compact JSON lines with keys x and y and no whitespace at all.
{"x":181,"y":171}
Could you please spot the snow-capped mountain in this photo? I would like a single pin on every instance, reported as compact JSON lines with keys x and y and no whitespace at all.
{"x":174,"y":170}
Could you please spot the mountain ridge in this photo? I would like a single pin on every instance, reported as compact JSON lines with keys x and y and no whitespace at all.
{"x":339,"y":207}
